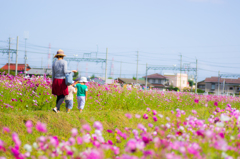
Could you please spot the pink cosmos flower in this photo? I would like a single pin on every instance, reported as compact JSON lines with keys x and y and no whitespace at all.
{"x":154,"y":112}
{"x":79,"y":140}
{"x":216,"y":103}
{"x":137,"y":116}
{"x":148,"y":153}
{"x":29,"y":126}
{"x":194,"y":111}
{"x":2,"y":146}
{"x":115,"y":150}
{"x":6,"y":130}
{"x":98,"y":125}
{"x":71,"y":141}
{"x":86,"y":127}
{"x":148,"y":109}
{"x":54,"y":141}
{"x":196,"y":101}
{"x":16,"y":140}
{"x":110,"y":142}
{"x":150,"y":125}
{"x":131,"y":145}
{"x":145,"y":116}
{"x":141,"y":127}
{"x":41,"y":127}
{"x":74,"y":132}
{"x":129,"y":116}
{"x":155,"y":118}
{"x":109,"y":131}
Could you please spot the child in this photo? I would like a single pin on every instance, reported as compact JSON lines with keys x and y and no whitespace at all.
{"x":69,"y":97}
{"x":81,"y":93}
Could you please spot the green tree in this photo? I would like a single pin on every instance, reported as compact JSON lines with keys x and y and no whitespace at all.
{"x":190,"y":82}
{"x":92,"y":77}
{"x":75,"y":75}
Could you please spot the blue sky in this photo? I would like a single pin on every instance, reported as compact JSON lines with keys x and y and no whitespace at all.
{"x":159,"y":29}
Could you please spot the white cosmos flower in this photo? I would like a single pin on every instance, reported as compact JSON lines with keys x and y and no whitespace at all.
{"x":35,"y":145}
{"x":28,"y":147}
{"x":220,"y":124}
{"x":224,"y":117}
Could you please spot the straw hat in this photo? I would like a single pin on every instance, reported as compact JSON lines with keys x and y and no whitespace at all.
{"x":60,"y":53}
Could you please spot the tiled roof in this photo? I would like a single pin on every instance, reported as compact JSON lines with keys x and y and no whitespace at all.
{"x":130,"y":80}
{"x":12,"y":67}
{"x":158,"y":85}
{"x":227,"y":80}
{"x":156,"y":76}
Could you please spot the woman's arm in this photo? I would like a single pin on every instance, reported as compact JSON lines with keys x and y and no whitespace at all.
{"x":65,"y":68}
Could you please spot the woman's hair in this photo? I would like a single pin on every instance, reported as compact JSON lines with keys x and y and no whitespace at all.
{"x":60,"y":57}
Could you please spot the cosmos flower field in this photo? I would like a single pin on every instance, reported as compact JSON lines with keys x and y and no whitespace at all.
{"x":116,"y":123}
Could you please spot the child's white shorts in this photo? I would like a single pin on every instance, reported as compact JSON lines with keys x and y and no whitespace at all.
{"x":81,"y":102}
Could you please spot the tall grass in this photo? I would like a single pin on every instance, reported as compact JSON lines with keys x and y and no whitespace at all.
{"x":174,"y":124}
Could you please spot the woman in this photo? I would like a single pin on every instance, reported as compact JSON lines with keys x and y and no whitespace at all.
{"x":59,"y":88}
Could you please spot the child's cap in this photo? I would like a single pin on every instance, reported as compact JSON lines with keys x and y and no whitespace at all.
{"x":83,"y":79}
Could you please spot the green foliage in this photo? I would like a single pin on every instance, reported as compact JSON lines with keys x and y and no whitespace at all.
{"x":6,"y":71}
{"x":110,"y":78}
{"x":198,"y":91}
{"x":171,"y":88}
{"x":134,"y":78}
{"x":190,"y":82}
{"x":75,"y":75}
{"x":92,"y":77}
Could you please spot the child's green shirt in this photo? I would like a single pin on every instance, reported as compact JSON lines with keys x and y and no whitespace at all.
{"x":81,"y":89}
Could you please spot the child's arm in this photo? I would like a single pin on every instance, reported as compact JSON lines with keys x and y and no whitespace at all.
{"x":74,"y":90}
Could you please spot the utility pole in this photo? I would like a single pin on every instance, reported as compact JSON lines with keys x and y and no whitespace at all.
{"x":106,"y":65}
{"x":146,"y":77}
{"x":25,"y":67}
{"x":9,"y":55}
{"x":196,"y":76}
{"x":49,"y":55}
{"x":218,"y":81}
{"x":223,"y":86}
{"x":42,"y":63}
{"x":120,"y":69}
{"x":16,"y":64}
{"x":137,"y":69}
{"x":180,"y":72}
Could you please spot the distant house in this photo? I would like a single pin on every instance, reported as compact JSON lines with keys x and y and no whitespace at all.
{"x":157,"y":80}
{"x":201,"y":85}
{"x":176,"y":79}
{"x":20,"y":67}
{"x":101,"y":80}
{"x":39,"y":71}
{"x":132,"y":82}
{"x":226,"y":85}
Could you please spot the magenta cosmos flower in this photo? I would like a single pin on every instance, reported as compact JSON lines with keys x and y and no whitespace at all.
{"x":41,"y":127}
{"x":145,"y":116}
